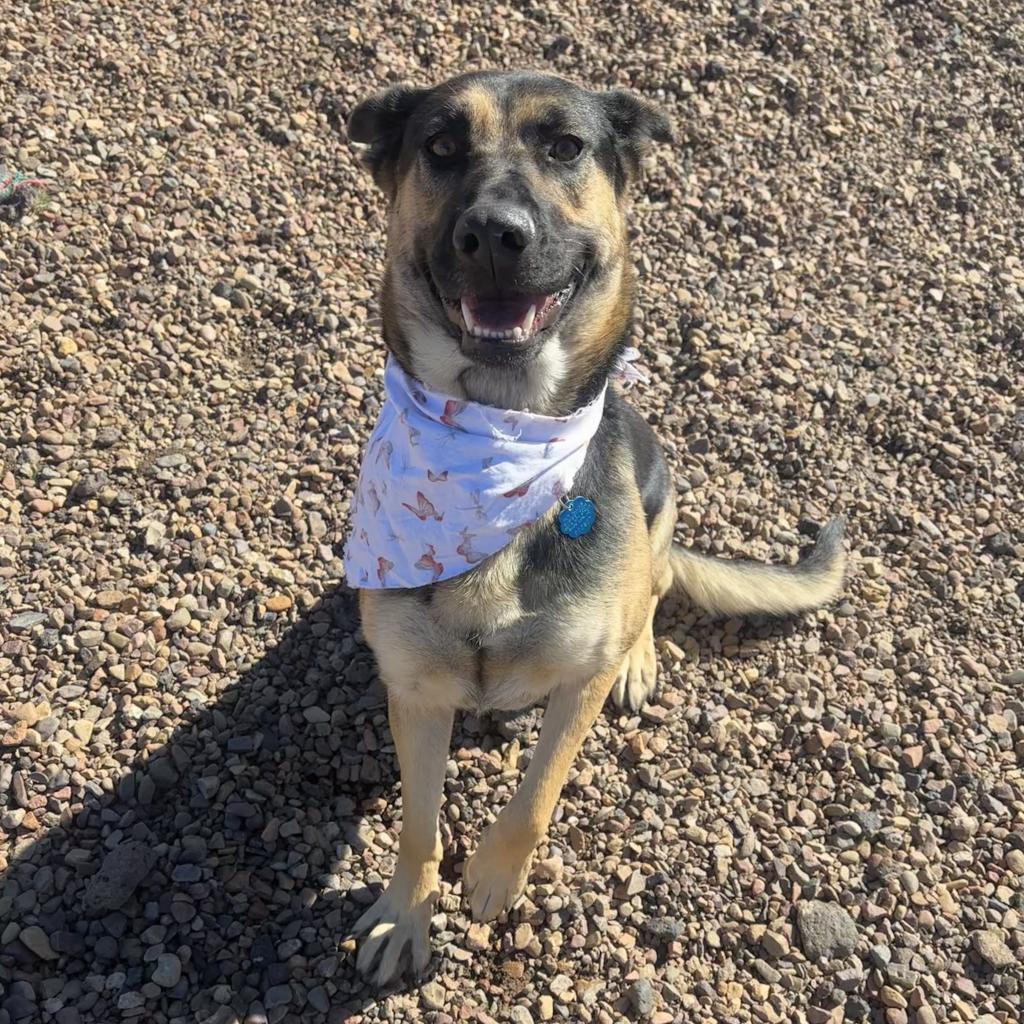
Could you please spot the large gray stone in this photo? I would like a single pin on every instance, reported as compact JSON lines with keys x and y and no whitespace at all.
{"x":826,"y":930}
{"x":118,"y":877}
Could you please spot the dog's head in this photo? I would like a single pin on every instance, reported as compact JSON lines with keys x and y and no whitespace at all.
{"x":508,"y":278}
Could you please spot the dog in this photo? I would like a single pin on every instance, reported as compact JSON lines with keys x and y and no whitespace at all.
{"x":508,"y":284}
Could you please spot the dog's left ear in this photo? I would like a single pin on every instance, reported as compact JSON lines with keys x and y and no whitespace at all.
{"x":379,"y":123}
{"x":635,"y":124}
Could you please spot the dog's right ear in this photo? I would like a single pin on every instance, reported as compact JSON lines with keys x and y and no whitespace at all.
{"x":379,"y":123}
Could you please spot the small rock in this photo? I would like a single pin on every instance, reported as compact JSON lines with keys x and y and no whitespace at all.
{"x":990,"y":946}
{"x":123,"y":868}
{"x":432,"y":995}
{"x":523,"y":935}
{"x":549,"y":870}
{"x":154,"y":535}
{"x":38,"y":942}
{"x":24,"y":621}
{"x":664,"y":929}
{"x":856,"y":1009}
{"x":167,"y":973}
{"x":641,"y":997}
{"x":890,"y":996}
{"x":765,"y":970}
{"x":478,"y":936}
{"x":83,"y":728}
{"x":880,"y":955}
{"x":11,"y":820}
{"x":178,"y":619}
{"x":279,"y":995}
{"x":826,"y":929}
{"x":1015,"y":861}
{"x":775,"y":944}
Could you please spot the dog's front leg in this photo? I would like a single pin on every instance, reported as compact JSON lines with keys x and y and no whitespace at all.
{"x":496,"y":873}
{"x":401,"y":917}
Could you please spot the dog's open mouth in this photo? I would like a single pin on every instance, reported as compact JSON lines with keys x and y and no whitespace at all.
{"x":513,"y":318}
{"x":510,"y":317}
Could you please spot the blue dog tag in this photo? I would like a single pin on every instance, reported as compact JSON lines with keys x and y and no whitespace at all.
{"x":577,"y":518}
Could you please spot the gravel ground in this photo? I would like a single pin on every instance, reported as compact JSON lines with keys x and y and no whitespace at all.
{"x":822,"y":819}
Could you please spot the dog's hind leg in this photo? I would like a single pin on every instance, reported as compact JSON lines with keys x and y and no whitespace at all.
{"x":496,"y":873}
{"x":400,"y":919}
{"x":637,"y":679}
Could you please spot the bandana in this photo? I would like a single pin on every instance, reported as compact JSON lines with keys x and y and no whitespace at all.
{"x":446,"y":483}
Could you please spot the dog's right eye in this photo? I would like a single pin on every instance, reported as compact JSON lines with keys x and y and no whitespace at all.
{"x":566,"y":149}
{"x":442,"y":145}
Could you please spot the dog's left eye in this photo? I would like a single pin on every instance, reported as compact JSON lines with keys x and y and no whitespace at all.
{"x":442,"y":145}
{"x":566,"y":149}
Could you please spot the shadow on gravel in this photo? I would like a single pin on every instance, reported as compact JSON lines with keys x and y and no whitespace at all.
{"x":212,"y":880}
{"x":233,"y":850}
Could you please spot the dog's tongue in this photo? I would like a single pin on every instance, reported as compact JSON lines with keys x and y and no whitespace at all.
{"x":502,"y":314}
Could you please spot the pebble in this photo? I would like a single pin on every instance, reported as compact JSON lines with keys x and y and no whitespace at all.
{"x":826,"y":930}
{"x":167,"y":973}
{"x":279,"y":995}
{"x":120,"y":873}
{"x":775,"y":944}
{"x":432,"y":995}
{"x":991,"y":947}
{"x":38,"y":942}
{"x":641,"y":997}
{"x":24,"y":621}
{"x":857,"y":1008}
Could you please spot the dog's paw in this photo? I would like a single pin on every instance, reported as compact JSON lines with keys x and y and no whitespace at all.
{"x":637,"y":681}
{"x":494,"y":877}
{"x":396,"y":932}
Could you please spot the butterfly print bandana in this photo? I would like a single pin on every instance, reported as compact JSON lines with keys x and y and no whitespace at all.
{"x":444,"y":483}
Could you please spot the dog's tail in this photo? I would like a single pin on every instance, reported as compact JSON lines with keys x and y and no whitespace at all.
{"x":745,"y":588}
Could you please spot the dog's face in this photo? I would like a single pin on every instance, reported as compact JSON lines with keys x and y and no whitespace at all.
{"x":508,"y":277}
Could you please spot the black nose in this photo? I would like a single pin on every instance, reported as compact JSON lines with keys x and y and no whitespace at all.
{"x":493,"y":237}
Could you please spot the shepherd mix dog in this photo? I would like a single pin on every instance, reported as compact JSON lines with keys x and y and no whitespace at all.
{"x":509,"y":283}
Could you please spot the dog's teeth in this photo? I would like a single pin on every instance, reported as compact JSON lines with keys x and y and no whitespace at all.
{"x":467,"y":315}
{"x":517,"y":334}
{"x":527,"y":325}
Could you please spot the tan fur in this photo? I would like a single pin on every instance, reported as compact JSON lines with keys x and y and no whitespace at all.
{"x":485,"y":119}
{"x":744,"y":588}
{"x":530,"y":111}
{"x":401,"y":918}
{"x":611,"y":307}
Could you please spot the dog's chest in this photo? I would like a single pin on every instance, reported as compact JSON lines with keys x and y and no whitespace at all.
{"x":473,"y":644}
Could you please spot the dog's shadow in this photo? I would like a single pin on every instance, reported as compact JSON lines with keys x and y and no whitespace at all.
{"x":241,"y":838}
{"x":248,"y":836}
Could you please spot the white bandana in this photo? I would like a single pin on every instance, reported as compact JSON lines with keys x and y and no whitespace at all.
{"x":445,"y":483}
